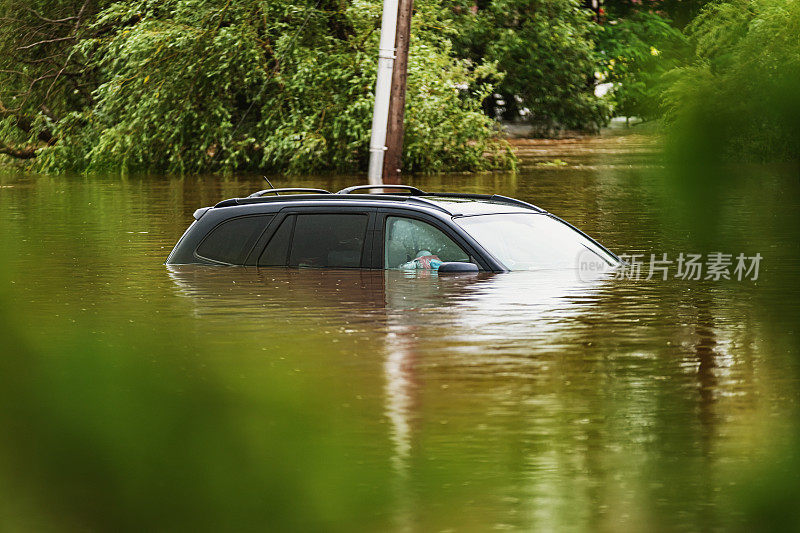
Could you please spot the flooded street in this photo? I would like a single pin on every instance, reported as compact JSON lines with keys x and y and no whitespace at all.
{"x":409,"y":401}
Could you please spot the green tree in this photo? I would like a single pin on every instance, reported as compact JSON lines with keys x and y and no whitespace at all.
{"x":545,"y":51}
{"x":680,"y":12}
{"x":636,"y":52}
{"x":737,"y":96}
{"x":42,"y":76}
{"x":196,"y":85}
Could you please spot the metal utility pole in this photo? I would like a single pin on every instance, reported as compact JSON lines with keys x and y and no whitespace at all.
{"x":397,"y":105}
{"x":380,"y":113}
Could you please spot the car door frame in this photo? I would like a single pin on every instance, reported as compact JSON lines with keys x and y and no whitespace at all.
{"x":367,"y":254}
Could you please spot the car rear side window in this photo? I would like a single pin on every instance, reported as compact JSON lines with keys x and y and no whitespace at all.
{"x":277,"y":251}
{"x":318,"y":240}
{"x":231,"y":240}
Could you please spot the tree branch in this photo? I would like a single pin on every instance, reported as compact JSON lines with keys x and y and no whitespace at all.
{"x":51,"y":21}
{"x":79,"y":16}
{"x":46,"y":41}
{"x":27,"y":152}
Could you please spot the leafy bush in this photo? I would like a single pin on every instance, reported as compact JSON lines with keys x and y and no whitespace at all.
{"x":444,"y":116}
{"x":637,"y":51}
{"x":194,"y":85}
{"x":545,"y":51}
{"x":739,"y":97}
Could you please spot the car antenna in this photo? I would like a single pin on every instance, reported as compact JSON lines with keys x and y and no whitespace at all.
{"x":271,"y":186}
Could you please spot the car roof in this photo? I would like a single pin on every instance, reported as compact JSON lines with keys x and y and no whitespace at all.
{"x":450,"y":203}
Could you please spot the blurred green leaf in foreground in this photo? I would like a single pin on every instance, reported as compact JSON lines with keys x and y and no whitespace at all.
{"x":104,"y":438}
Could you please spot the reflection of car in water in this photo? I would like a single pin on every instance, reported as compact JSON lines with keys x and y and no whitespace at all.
{"x":406,"y":230}
{"x":516,"y":305}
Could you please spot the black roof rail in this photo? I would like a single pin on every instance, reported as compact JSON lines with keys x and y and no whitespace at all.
{"x":414,"y":191}
{"x":411,"y":190}
{"x":492,"y":197}
{"x":507,"y":200}
{"x":388,"y":197}
{"x":289,"y":189}
{"x":427,"y":202}
{"x":414,"y":195}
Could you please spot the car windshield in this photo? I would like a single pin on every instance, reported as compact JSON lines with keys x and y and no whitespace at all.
{"x":533,"y":241}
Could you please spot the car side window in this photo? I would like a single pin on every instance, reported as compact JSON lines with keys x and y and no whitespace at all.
{"x":318,"y":240}
{"x":231,"y":240}
{"x":328,"y":240}
{"x":276,"y":252}
{"x":412,"y":244}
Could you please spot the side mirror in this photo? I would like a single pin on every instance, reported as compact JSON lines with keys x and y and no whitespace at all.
{"x":457,"y":267}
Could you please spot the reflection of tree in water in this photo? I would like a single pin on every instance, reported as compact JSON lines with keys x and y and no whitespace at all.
{"x":705,"y":347}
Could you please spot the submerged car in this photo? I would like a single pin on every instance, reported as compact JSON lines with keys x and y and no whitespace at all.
{"x":404,"y":228}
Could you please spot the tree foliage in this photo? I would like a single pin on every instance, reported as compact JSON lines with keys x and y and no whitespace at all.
{"x":193,"y":85}
{"x":42,"y":76}
{"x":286,"y":85}
{"x":680,"y":12}
{"x":637,"y":51}
{"x":545,"y":51}
{"x":738,"y":96}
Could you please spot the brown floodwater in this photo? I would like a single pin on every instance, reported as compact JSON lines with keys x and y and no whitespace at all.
{"x":518,"y":401}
